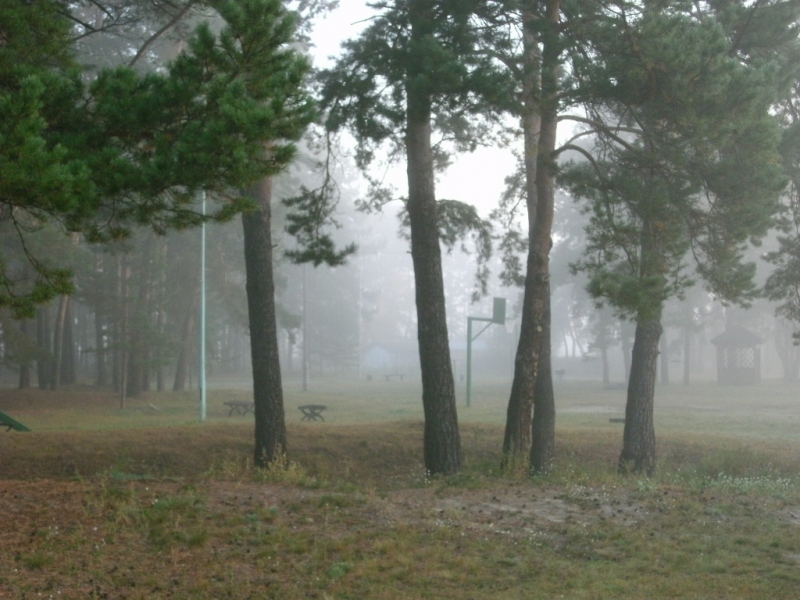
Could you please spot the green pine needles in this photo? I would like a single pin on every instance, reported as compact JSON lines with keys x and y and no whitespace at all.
{"x":128,"y":149}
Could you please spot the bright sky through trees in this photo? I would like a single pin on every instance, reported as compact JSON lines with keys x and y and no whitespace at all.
{"x":468,"y":179}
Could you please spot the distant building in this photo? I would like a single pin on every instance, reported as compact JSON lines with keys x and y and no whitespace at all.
{"x":738,"y":356}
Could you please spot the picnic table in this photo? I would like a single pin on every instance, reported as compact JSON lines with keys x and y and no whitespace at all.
{"x":312,"y":412}
{"x":239,"y":407}
{"x":390,"y":376}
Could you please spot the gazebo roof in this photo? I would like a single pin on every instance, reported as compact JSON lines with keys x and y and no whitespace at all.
{"x":737,"y":337}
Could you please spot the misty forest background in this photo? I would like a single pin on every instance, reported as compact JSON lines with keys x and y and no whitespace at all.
{"x":131,"y":320}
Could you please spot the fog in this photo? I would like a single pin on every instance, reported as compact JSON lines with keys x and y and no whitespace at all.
{"x":355,"y":322}
{"x":359,"y":322}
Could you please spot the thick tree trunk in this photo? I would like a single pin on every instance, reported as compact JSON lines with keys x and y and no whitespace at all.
{"x":270,"y":429}
{"x":442,"y":443}
{"x":185,"y":354}
{"x":141,"y":326}
{"x":517,"y":440}
{"x":544,"y":405}
{"x":539,"y":123}
{"x":639,"y":440}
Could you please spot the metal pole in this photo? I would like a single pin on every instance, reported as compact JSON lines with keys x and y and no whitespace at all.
{"x":201,"y":377}
{"x":469,"y":361}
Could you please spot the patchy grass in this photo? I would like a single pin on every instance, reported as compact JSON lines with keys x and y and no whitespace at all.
{"x":175,"y":509}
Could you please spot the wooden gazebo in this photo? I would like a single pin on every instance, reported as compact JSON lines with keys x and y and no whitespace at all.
{"x":738,"y":356}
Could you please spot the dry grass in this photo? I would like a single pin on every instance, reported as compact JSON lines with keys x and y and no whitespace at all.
{"x":148,"y":504}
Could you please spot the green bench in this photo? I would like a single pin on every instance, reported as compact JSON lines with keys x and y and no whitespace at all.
{"x":9,"y":423}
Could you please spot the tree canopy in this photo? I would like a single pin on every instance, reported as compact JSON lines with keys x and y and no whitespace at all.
{"x":100,"y":155}
{"x":684,"y":168}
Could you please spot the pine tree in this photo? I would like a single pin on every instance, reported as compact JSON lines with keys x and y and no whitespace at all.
{"x":412,"y":72}
{"x":684,"y":168}
{"x":125,"y":149}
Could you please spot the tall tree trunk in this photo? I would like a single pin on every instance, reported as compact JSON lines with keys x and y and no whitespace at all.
{"x":539,"y":123}
{"x":68,"y":373}
{"x":442,"y":442}
{"x":58,"y":345}
{"x":124,"y":330}
{"x":101,"y":354}
{"x":102,"y":330}
{"x":141,"y":328}
{"x":517,"y":440}
{"x":83,"y":361}
{"x":544,"y":408}
{"x":186,"y":351}
{"x":270,"y":426}
{"x":44,"y":364}
{"x":639,"y":440}
{"x":162,"y":327}
{"x":24,"y":368}
{"x":606,"y":371}
{"x":544,"y":405}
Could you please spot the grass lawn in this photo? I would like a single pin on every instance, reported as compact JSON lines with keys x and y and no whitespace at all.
{"x":144,"y":502}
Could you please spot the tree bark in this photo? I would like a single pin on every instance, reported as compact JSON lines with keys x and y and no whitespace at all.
{"x":539,"y":123}
{"x":442,"y":443}
{"x":270,"y":426}
{"x":185,"y":354}
{"x":517,"y":439}
{"x":639,"y":439}
{"x":544,"y":406}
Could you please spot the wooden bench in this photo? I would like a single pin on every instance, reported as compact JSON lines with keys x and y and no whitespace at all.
{"x":9,"y":423}
{"x":390,"y":376}
{"x":240,"y":407}
{"x":312,"y":412}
